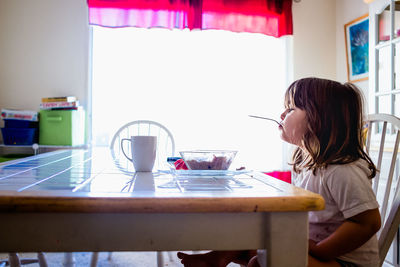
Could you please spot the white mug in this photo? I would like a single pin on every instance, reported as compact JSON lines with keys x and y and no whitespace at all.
{"x":143,"y":150}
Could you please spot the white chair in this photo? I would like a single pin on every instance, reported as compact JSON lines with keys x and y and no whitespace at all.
{"x":165,"y":148}
{"x":382,"y":144}
{"x":165,"y":143}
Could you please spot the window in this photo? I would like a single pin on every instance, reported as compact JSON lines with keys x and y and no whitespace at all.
{"x":385,"y":52}
{"x":201,"y":85}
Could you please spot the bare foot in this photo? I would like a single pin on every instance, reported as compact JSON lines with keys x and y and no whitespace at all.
{"x":209,"y":259}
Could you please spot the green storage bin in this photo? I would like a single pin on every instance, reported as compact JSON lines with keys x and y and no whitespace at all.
{"x":62,"y":127}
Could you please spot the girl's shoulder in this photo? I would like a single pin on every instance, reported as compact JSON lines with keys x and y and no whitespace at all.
{"x":359,"y":165}
{"x":357,"y":170}
{"x":334,"y":173}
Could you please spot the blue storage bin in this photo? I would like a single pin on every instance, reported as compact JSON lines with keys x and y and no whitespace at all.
{"x":19,"y":136}
{"x":9,"y":123}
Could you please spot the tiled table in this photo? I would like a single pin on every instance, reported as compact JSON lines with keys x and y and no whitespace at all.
{"x":77,"y":200}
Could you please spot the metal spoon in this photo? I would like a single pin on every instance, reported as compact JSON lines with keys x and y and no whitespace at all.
{"x":258,"y":117}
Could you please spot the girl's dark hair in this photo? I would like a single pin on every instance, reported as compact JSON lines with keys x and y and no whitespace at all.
{"x":334,"y":113}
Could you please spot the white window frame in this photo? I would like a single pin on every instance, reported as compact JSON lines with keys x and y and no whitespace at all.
{"x":376,"y":8}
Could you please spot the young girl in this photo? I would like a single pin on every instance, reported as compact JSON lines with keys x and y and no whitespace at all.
{"x":324,"y":119}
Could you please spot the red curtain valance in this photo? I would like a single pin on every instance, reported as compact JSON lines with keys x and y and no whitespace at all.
{"x":270,"y":17}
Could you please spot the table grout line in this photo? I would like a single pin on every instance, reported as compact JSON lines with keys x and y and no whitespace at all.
{"x":47,"y":178}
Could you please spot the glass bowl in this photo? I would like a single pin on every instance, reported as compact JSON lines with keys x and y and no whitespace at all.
{"x":208,"y":159}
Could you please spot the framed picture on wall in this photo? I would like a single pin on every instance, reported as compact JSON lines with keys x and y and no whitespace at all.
{"x":357,"y":48}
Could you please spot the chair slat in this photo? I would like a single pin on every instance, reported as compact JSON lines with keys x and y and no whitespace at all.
{"x":380,"y":155}
{"x":368,"y":143}
{"x":389,"y":229}
{"x":390,"y":176}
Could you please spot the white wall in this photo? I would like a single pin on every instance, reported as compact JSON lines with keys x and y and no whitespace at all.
{"x":346,"y":11}
{"x":314,"y":40}
{"x":318,"y":39}
{"x":43,"y":51}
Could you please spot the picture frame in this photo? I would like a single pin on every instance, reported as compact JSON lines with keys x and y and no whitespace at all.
{"x":357,"y":48}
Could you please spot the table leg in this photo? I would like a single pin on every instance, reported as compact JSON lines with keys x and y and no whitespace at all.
{"x":69,"y":260}
{"x":42,"y":259}
{"x":14,"y":260}
{"x":94,"y":259}
{"x":287,"y":239}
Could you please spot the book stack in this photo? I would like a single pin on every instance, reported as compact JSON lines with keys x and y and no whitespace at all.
{"x":23,"y":115}
{"x":60,"y":103}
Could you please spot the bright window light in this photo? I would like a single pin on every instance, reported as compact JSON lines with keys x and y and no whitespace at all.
{"x":201,"y":85}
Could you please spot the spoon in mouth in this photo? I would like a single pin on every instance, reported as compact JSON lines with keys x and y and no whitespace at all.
{"x":264,"y":118}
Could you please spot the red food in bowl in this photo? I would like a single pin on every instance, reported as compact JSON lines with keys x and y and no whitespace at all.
{"x":208,"y":159}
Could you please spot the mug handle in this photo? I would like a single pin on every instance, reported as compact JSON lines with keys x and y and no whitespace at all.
{"x":122,"y":147}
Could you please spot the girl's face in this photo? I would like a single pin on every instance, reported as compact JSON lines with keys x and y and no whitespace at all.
{"x":293,"y":125}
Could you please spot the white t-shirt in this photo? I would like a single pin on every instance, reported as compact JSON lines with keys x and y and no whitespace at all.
{"x":347,"y":192}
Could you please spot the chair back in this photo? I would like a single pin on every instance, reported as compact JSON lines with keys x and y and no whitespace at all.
{"x":165,"y":143}
{"x":382,"y":144}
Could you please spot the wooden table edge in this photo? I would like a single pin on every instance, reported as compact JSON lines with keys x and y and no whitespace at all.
{"x":31,"y":203}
